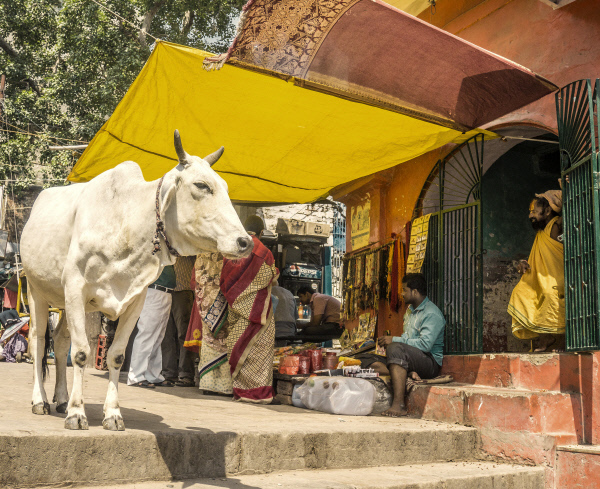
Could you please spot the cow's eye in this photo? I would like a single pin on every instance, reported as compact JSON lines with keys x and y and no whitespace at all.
{"x":203,"y":186}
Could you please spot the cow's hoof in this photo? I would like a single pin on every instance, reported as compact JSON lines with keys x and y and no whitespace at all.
{"x":76,"y":422}
{"x":41,"y":408}
{"x":61,"y":408}
{"x":114,"y":423}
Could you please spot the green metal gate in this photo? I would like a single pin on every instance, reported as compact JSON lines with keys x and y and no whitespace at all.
{"x":577,"y":109}
{"x":453,"y":260}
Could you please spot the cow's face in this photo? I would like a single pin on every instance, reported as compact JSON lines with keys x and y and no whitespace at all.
{"x":198,"y":213}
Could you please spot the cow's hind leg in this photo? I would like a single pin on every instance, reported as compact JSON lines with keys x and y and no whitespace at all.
{"x":62,"y":341}
{"x":80,"y":352}
{"x":39,"y":323}
{"x":116,"y":355}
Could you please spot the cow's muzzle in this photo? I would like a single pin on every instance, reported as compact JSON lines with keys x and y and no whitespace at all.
{"x":245,"y":245}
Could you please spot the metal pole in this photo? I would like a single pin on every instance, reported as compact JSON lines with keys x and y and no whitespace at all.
{"x":74,"y":147}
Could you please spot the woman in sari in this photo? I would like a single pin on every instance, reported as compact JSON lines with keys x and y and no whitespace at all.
{"x":246,"y":284}
{"x":212,"y":307}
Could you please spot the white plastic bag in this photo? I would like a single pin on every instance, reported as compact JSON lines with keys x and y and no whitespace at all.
{"x":296,"y":401}
{"x":338,"y":395}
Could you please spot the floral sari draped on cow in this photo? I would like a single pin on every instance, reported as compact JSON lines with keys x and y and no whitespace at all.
{"x":211,"y":303}
{"x":246,"y":285}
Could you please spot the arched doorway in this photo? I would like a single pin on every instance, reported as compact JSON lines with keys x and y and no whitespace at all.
{"x":479,"y":200}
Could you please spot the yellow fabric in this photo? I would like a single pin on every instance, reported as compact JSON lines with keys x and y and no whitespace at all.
{"x":537,"y":304}
{"x":412,"y":7}
{"x":283,"y":143}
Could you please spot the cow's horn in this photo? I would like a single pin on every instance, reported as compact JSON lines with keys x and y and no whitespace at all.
{"x":212,"y":158}
{"x":179,"y":148}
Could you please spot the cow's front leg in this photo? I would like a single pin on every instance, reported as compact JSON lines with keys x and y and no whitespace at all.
{"x":39,"y":323}
{"x":116,"y":355}
{"x":80,"y":352}
{"x":62,"y":341}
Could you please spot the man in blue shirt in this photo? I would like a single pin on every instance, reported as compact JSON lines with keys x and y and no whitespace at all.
{"x":418,"y":351}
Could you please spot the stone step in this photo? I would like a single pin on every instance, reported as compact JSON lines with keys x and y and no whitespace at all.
{"x":474,"y":475}
{"x":540,"y":371}
{"x":178,"y":433}
{"x":500,"y":408}
{"x":578,"y":466}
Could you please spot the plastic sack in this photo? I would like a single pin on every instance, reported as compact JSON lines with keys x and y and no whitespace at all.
{"x":289,"y":365}
{"x":296,"y":401}
{"x":338,"y":395}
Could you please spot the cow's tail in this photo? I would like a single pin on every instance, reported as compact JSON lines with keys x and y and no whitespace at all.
{"x":45,"y":368}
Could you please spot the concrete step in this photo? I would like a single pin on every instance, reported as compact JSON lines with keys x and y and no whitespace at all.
{"x":428,"y":476}
{"x":178,"y":433}
{"x":504,"y":409}
{"x":540,"y":371}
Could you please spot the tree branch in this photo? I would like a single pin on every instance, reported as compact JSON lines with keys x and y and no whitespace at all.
{"x":11,"y":52}
{"x":8,"y":49}
{"x":34,"y":86}
{"x":188,"y":21}
{"x":148,"y":20}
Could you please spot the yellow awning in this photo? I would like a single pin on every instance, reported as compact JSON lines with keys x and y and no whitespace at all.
{"x":283,"y":142}
{"x":412,"y":7}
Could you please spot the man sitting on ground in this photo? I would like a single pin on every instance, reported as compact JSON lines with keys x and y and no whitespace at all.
{"x":418,"y":351}
{"x":325,"y":313}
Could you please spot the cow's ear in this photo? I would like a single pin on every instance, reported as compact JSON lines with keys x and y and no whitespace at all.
{"x":181,"y":154}
{"x":212,"y":158}
{"x":168,"y":193}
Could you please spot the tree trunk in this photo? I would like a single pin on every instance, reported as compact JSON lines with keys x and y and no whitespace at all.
{"x":148,"y":21}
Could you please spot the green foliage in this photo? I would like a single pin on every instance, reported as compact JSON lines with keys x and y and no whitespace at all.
{"x":68,"y":63}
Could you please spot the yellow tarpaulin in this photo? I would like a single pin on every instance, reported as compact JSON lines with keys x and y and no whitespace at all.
{"x":283,"y":142}
{"x":412,"y":7}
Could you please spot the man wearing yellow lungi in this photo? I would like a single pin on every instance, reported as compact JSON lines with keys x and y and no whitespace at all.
{"x":537,"y":304}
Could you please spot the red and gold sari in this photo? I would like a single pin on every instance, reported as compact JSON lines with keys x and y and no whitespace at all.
{"x":246,"y":285}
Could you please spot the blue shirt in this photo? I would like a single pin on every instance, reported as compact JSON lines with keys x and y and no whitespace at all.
{"x":424,"y":329}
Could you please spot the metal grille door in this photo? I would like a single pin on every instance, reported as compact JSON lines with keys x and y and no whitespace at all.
{"x":578,"y":120}
{"x":339,"y":249}
{"x":460,"y":277}
{"x":453,"y":260}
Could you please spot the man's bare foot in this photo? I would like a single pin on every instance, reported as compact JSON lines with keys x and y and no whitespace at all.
{"x":395,"y":412}
{"x":544,"y":343}
{"x":415,"y":376}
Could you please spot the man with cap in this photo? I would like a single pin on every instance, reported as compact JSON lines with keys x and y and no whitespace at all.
{"x":537,"y":304}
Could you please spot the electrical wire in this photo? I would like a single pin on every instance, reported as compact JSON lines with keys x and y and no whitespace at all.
{"x":22,"y":131}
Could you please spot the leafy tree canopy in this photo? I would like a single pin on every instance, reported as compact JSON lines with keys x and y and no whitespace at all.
{"x":69,"y":62}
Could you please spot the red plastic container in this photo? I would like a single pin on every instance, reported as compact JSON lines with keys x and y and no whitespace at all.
{"x":289,"y":365}
{"x":316,"y":360}
{"x":304,"y":365}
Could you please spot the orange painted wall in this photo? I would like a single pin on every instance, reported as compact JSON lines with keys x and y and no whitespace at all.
{"x":561,"y":45}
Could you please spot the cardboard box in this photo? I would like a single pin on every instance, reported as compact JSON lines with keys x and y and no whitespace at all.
{"x":290,"y":226}
{"x":318,"y":229}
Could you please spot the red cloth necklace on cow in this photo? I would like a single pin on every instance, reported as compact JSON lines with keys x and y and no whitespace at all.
{"x":160,"y":226}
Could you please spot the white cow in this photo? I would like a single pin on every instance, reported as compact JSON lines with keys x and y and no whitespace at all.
{"x":97,"y":246}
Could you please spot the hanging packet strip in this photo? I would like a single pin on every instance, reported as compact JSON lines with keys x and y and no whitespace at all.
{"x":418,"y":244}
